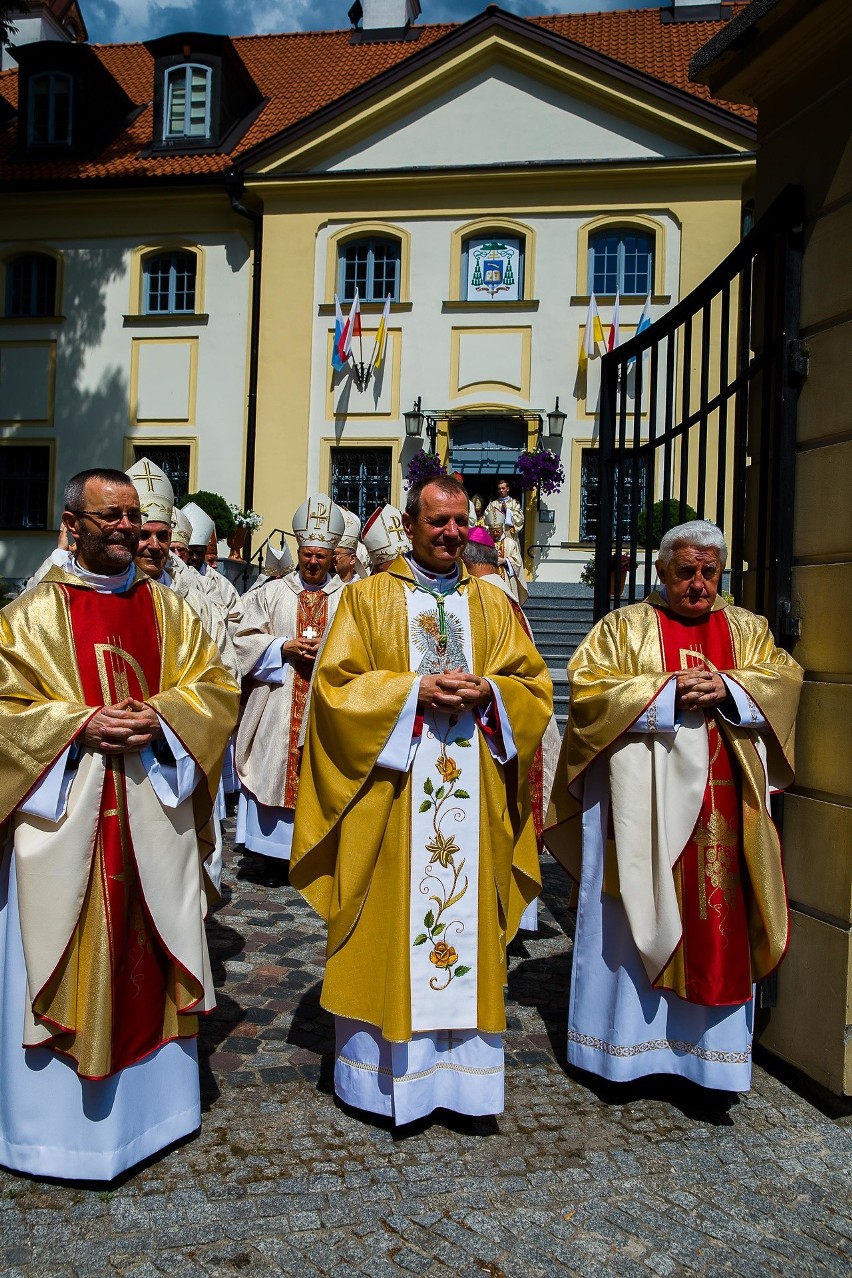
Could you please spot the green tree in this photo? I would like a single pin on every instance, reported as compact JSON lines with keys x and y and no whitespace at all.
{"x":217,"y":508}
{"x":657,"y":528}
{"x":7,"y":27}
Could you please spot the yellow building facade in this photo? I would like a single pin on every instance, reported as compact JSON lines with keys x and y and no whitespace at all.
{"x":507,"y":138}
{"x":793,"y":65}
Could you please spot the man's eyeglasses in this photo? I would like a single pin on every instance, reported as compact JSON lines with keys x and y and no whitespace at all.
{"x":112,"y":518}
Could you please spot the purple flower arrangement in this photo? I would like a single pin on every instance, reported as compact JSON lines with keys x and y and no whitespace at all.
{"x":542,"y":469}
{"x":423,"y":465}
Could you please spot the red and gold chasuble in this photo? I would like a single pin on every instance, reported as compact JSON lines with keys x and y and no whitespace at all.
{"x":311,"y":617}
{"x":117,"y":957}
{"x":712,"y":964}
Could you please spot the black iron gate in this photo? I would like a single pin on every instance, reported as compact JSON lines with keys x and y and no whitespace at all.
{"x":699,"y":411}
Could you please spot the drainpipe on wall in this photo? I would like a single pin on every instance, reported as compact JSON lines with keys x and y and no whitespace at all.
{"x":235,"y":190}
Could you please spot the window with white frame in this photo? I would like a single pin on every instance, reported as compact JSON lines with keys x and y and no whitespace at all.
{"x":621,"y":261}
{"x":187,"y":102}
{"x":30,"y":286}
{"x":168,"y":284}
{"x":49,"y":109}
{"x":370,"y":265}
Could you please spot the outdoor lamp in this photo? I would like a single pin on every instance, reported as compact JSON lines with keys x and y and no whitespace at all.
{"x":556,"y":420}
{"x":414,"y":420}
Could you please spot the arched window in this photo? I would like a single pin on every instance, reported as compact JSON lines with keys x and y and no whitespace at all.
{"x":621,"y":261}
{"x":30,"y":286}
{"x":168,"y":284}
{"x":372,"y":266}
{"x":49,"y":109}
{"x":187,"y":105}
{"x":492,"y":268}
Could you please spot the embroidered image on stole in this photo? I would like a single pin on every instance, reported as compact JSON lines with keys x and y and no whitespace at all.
{"x":311,"y":615}
{"x":443,"y":918}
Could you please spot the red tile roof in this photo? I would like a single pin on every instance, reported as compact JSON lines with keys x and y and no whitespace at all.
{"x":303,"y":72}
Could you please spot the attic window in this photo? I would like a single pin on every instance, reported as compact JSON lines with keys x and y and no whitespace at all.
{"x":49,"y":109}
{"x":187,"y":107}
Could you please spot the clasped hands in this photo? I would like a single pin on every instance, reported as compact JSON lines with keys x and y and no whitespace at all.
{"x":699,"y":690}
{"x":121,"y":729}
{"x":300,"y":649}
{"x":453,"y":692}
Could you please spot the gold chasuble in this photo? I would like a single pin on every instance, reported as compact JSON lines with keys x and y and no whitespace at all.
{"x":728,"y":877}
{"x":352,"y":855}
{"x":111,"y":895}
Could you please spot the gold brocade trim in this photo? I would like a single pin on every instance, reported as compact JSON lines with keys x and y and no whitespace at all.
{"x":712,"y":1055}
{"x":422,"y":1073}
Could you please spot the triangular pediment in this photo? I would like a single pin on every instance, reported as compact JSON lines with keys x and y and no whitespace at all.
{"x":506,"y":95}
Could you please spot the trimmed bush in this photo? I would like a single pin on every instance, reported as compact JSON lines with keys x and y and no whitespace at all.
{"x":218,"y":510}
{"x":657,"y":528}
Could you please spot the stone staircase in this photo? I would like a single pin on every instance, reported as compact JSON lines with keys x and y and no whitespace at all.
{"x":560,"y":615}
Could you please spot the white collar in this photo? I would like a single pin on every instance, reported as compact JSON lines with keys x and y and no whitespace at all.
{"x":104,"y":585}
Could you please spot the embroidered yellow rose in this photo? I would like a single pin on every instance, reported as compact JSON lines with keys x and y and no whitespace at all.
{"x":448,"y":768}
{"x":443,"y":955}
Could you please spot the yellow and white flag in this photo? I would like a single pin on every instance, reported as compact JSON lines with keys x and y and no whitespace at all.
{"x":382,"y":335}
{"x":594,"y":343}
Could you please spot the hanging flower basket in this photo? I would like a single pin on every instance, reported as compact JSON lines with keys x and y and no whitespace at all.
{"x":423,"y":465}
{"x":540,"y":468}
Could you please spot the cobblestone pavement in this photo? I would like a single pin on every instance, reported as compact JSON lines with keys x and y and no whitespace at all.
{"x":574,"y":1177}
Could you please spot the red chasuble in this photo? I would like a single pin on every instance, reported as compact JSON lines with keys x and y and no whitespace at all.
{"x":117,"y":646}
{"x":712,"y":964}
{"x":311,"y":616}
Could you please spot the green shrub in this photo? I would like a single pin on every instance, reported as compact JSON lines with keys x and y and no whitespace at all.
{"x":218,"y":510}
{"x":657,"y":528}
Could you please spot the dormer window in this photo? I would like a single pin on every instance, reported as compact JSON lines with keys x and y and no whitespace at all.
{"x":187,"y":104}
{"x":49,"y":109}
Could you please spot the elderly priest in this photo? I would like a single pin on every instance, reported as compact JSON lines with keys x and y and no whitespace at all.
{"x":681,"y":724}
{"x":114,"y":713}
{"x":414,"y":837}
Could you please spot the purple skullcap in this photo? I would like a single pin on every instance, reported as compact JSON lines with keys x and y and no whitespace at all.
{"x":483,"y":537}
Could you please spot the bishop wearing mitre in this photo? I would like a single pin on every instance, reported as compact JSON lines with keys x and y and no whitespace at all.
{"x":281,"y":633}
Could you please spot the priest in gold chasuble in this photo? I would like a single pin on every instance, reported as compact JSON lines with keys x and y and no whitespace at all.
{"x":114,"y":713}
{"x":282,"y":630}
{"x":681,"y":725}
{"x":414,"y":837}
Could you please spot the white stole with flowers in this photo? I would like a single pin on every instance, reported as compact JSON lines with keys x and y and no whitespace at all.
{"x":443,"y":918}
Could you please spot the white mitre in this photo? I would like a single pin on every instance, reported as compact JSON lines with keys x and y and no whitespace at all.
{"x":181,"y":528}
{"x":494,"y":519}
{"x":278,"y":561}
{"x":384,"y":536}
{"x":203,"y":527}
{"x":319,"y":523}
{"x":156,"y":495}
{"x":349,"y":540}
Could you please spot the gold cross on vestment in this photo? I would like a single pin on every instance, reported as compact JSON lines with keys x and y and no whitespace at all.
{"x":317,"y":518}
